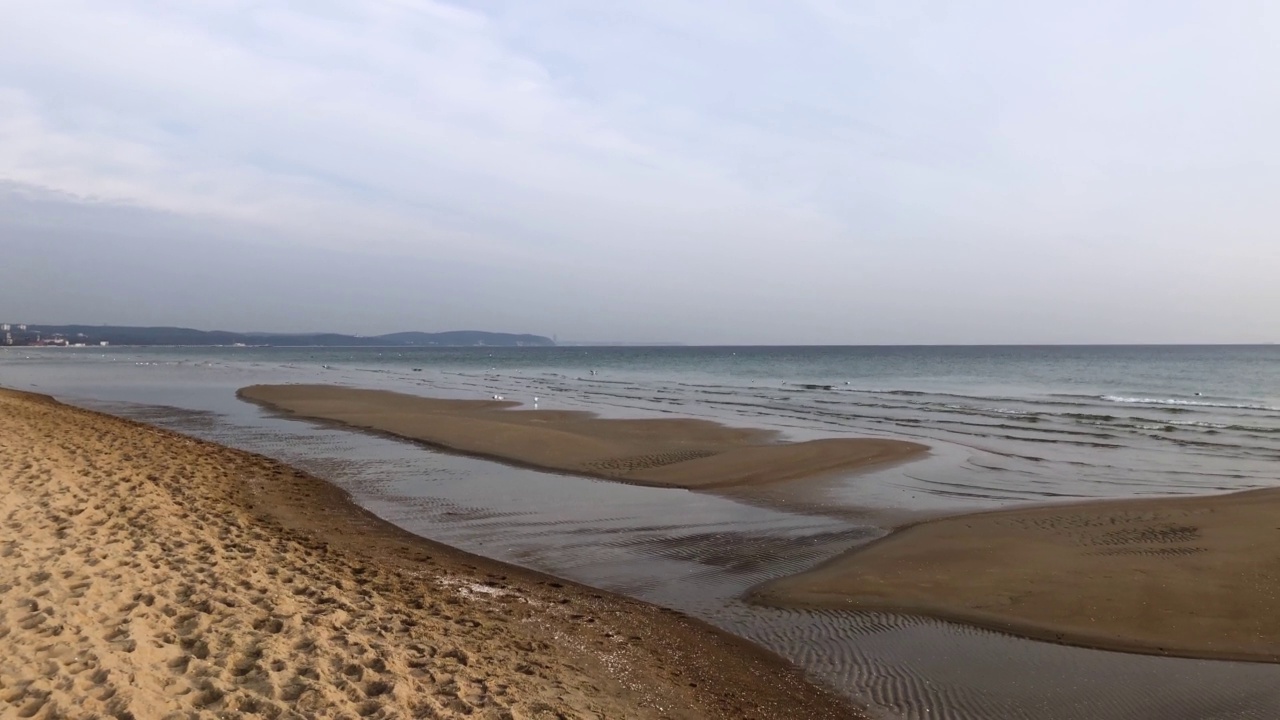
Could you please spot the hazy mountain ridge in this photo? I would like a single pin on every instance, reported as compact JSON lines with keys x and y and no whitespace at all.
{"x":128,"y":335}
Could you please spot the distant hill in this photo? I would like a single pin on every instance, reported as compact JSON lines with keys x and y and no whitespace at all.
{"x":125,"y":335}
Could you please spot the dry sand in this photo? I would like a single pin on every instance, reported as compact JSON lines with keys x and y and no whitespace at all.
{"x":687,"y":453}
{"x":144,"y":574}
{"x":1195,"y":577}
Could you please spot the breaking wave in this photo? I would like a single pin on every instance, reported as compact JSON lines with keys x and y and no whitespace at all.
{"x":1192,"y":403}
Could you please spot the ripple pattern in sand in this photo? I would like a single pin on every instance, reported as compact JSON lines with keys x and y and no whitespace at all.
{"x":917,"y":668}
{"x":625,"y":465}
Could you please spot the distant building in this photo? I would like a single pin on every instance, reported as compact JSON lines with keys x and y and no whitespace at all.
{"x":5,"y":327}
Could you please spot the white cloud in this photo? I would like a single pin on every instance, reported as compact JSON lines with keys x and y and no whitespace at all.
{"x":406,"y":119}
{"x":777,"y":158}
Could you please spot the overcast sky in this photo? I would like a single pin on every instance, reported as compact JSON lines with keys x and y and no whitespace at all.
{"x":709,"y":172}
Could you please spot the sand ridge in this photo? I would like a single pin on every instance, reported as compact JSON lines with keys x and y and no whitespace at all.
{"x":144,"y":574}
{"x":675,"y":452}
{"x":1194,"y":577}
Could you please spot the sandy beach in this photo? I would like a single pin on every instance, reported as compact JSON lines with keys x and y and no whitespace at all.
{"x":1193,"y":577}
{"x":674,"y":452}
{"x":144,"y":574}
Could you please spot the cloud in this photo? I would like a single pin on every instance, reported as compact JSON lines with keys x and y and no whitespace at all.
{"x":405,"y":121}
{"x":732,"y":171}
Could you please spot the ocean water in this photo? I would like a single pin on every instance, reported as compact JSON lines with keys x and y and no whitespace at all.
{"x":1019,"y":423}
{"x":1006,"y":425}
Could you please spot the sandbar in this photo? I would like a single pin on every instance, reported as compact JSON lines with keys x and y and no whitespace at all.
{"x":145,"y":574}
{"x":1191,"y":577}
{"x":675,"y":452}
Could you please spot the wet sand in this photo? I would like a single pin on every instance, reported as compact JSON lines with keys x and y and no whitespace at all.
{"x":1192,"y":577}
{"x":147,"y":574}
{"x":686,"y":453}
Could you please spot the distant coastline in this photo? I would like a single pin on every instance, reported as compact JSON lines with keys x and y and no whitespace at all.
{"x":28,"y":335}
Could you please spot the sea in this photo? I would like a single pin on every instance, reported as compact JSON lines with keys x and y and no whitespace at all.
{"x":1006,"y":426}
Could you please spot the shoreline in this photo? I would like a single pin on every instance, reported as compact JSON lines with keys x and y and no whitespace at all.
{"x":1191,"y":577}
{"x":235,"y":563}
{"x":686,"y":453}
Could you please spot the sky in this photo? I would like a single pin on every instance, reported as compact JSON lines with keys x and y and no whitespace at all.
{"x":745,"y":172}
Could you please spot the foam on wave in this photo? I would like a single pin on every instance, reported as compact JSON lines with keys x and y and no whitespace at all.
{"x":1178,"y":401}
